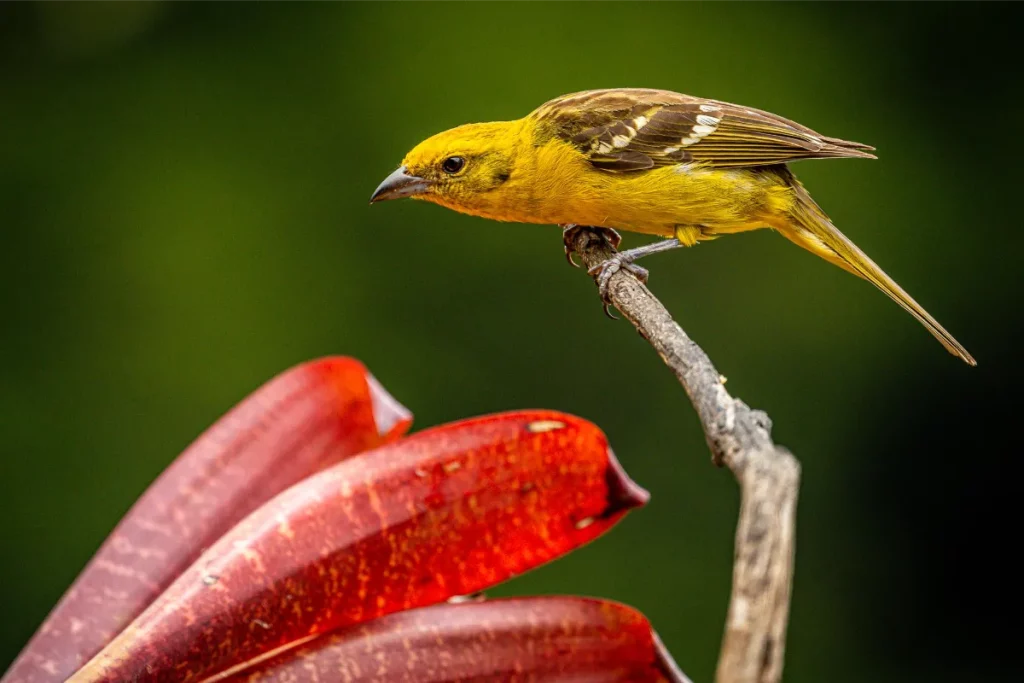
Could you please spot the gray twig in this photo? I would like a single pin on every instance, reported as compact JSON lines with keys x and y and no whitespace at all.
{"x":769,"y":477}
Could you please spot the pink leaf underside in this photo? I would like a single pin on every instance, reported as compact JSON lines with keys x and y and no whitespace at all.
{"x":514,"y":640}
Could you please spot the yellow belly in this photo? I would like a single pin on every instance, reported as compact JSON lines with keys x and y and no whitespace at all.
{"x":654,"y":201}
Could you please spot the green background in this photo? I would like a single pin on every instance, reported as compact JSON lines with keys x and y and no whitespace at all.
{"x":183,"y":203}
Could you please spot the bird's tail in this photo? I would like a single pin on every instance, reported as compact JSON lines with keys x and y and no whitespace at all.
{"x":811,"y":229}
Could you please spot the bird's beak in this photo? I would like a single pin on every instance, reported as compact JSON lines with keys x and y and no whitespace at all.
{"x":399,"y":184}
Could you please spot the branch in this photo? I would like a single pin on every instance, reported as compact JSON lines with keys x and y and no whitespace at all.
{"x":768,"y":475}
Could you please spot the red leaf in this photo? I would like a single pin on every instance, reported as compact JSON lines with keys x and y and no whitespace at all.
{"x":300,"y":422}
{"x":448,"y":511}
{"x":518,"y":639}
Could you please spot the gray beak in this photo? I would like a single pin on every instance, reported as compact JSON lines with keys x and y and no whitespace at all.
{"x":399,"y":184}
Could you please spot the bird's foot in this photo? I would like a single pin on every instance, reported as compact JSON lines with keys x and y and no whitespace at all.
{"x":570,"y":231}
{"x":603,"y":272}
{"x":624,"y":260}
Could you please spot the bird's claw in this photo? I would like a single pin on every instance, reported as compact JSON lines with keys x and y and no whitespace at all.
{"x":603,"y":272}
{"x":569,"y":233}
{"x":571,"y":230}
{"x":613,"y":237}
{"x":568,"y":257}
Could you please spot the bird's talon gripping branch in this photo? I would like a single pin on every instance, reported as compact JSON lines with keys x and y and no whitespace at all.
{"x":571,"y":230}
{"x":613,"y":236}
{"x":603,"y":272}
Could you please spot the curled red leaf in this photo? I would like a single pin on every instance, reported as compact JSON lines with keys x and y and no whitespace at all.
{"x":446,"y":512}
{"x":513,"y":640}
{"x":309,"y":417}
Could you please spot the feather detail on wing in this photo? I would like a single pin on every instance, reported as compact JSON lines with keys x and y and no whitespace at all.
{"x":632,"y":129}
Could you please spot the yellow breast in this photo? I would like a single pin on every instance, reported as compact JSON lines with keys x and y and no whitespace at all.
{"x":554,"y":183}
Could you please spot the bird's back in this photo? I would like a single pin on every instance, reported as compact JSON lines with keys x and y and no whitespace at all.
{"x":630,"y":129}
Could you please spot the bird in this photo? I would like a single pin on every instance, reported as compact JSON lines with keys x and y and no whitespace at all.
{"x":649,"y":161}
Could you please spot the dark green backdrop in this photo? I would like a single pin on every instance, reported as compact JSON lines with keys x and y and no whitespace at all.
{"x":183,"y":203}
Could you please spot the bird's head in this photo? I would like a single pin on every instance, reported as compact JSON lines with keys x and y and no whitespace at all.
{"x":459,"y":168}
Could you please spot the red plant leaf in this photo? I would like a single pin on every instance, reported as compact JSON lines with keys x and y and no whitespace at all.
{"x":308,"y":418}
{"x":516,"y":639}
{"x":448,"y":511}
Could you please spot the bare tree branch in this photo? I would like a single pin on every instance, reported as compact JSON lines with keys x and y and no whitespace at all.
{"x":768,"y":475}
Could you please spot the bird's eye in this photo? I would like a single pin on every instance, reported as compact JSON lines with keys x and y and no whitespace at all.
{"x":452,"y":165}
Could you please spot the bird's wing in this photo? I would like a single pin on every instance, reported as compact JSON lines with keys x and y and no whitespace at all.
{"x":631,"y":129}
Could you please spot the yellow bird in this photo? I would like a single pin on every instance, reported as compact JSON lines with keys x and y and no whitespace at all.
{"x":648,"y":161}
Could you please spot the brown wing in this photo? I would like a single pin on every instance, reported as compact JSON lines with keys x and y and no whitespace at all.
{"x":632,"y":129}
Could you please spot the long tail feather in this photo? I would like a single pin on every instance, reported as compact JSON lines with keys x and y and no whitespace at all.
{"x":812,"y":230}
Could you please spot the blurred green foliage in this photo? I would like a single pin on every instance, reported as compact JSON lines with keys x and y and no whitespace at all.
{"x":184,"y":214}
